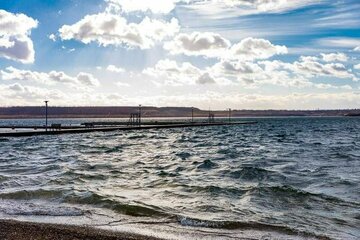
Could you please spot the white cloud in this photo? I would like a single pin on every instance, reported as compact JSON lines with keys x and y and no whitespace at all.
{"x":309,"y":67}
{"x":334,"y":57}
{"x":225,"y":72}
{"x":15,"y":43}
{"x":195,"y":44}
{"x":205,"y":78}
{"x":112,"y":68}
{"x":357,"y":49}
{"x":82,"y":79}
{"x":12,"y":73}
{"x":52,"y":37}
{"x":253,"y":74}
{"x":267,"y":5}
{"x":237,"y":68}
{"x":357,"y":66}
{"x":155,"y":6}
{"x":312,"y":68}
{"x":170,"y":73}
{"x":308,"y":58}
{"x":214,"y":45}
{"x":340,"y":42}
{"x":233,"y":8}
{"x":250,"y":74}
{"x":243,"y":7}
{"x":122,"y":84}
{"x":87,"y":79}
{"x":17,"y":94}
{"x":17,"y":87}
{"x":254,"y":48}
{"x":110,"y":29}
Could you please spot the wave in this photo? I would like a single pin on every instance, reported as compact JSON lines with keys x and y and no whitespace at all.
{"x":116,"y":149}
{"x":207,"y":164}
{"x":33,"y":208}
{"x":255,"y":173}
{"x":183,"y":155}
{"x":94,"y":199}
{"x":237,"y":225}
{"x":295,"y":195}
{"x":33,"y":194}
{"x":3,"y":178}
{"x":137,"y":136}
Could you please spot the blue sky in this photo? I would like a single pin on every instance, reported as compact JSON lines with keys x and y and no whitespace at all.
{"x":243,"y":54}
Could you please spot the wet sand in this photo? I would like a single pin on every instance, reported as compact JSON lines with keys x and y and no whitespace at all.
{"x":16,"y":230}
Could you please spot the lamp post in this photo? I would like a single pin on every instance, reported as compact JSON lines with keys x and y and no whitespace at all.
{"x":139,"y":115}
{"x":46,"y":115}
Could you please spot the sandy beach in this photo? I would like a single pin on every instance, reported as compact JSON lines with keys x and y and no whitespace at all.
{"x":16,"y":230}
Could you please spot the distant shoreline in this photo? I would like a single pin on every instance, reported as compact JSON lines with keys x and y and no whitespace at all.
{"x":162,"y":112}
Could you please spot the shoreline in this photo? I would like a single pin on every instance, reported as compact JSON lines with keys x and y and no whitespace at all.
{"x":19,"y":230}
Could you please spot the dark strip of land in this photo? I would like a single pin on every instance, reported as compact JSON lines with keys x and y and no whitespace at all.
{"x":153,"y":112}
{"x":16,"y":230}
{"x":108,"y":129}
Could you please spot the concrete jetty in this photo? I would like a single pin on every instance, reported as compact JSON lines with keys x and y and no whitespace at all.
{"x":73,"y":130}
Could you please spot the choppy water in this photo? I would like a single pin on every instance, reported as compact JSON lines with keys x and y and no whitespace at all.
{"x":294,"y":176}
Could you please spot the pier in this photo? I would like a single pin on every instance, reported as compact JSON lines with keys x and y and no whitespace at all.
{"x":135,"y":122}
{"x":40,"y":130}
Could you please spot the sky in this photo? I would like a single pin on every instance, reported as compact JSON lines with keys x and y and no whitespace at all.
{"x":217,"y":54}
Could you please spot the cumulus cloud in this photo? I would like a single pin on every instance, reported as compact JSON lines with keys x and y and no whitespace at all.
{"x":312,"y":68}
{"x":17,"y":94}
{"x":254,"y":48}
{"x":87,"y":79}
{"x":170,"y":73}
{"x":237,"y":68}
{"x":112,"y":68}
{"x":15,"y":43}
{"x":308,"y":58}
{"x":16,"y":87}
{"x":82,"y":79}
{"x":110,"y":29}
{"x":225,"y":72}
{"x":214,"y":45}
{"x":260,"y":73}
{"x":334,"y":57}
{"x":251,"y":74}
{"x":205,"y":78}
{"x":357,"y":66}
{"x":194,"y":44}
